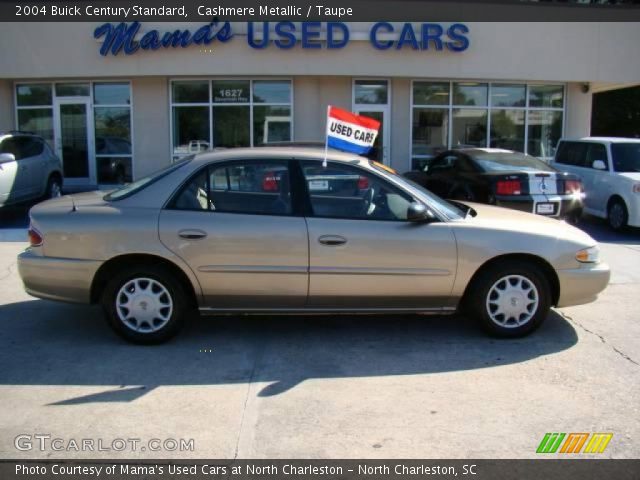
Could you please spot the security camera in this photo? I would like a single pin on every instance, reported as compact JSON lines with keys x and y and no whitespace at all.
{"x":584,"y":88}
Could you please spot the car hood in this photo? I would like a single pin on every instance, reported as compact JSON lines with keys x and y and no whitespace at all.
{"x":506,"y":219}
{"x":71,"y":202}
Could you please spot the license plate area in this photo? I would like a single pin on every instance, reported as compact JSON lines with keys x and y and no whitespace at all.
{"x":318,"y":185}
{"x":546,"y":208}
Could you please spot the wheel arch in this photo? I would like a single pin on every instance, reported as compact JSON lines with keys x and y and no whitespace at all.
{"x":547,"y":269}
{"x":113,"y":265}
{"x":613,"y":198}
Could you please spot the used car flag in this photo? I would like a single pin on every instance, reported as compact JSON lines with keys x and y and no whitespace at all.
{"x":350,"y":132}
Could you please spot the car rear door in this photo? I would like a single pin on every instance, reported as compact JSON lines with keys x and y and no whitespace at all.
{"x":14,"y":178}
{"x":236,"y":225}
{"x":364,"y":254}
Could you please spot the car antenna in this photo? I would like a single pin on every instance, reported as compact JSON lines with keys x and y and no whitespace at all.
{"x":73,"y":204}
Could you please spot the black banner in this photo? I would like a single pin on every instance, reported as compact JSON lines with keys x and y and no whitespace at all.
{"x":548,"y":469}
{"x":308,"y":10}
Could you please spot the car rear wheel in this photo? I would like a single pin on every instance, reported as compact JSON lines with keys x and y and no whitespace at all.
{"x":510,"y":299}
{"x":145,"y":304}
{"x":617,"y":215}
{"x":54,"y":187}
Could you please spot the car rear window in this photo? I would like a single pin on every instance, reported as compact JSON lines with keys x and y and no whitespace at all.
{"x":492,"y":162}
{"x":134,"y":187}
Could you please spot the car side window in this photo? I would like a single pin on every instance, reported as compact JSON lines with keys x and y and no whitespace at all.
{"x":30,"y":146}
{"x":444,"y":163}
{"x":246,"y":187}
{"x":10,"y":145}
{"x":596,"y":151}
{"x":344,"y":191}
{"x":572,"y":153}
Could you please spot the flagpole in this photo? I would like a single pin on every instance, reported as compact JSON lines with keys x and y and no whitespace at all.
{"x":326,"y":138}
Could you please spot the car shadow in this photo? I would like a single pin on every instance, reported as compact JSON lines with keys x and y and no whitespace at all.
{"x":47,"y":343}
{"x":601,"y":232}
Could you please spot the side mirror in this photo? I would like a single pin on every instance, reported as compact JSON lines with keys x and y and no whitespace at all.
{"x":7,"y":157}
{"x":417,"y":212}
{"x":599,"y":165}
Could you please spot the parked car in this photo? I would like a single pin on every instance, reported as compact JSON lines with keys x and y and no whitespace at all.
{"x":185,"y":240}
{"x":610,"y":171}
{"x":29,"y":170}
{"x":504,"y":178}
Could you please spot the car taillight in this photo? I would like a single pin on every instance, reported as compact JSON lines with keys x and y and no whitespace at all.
{"x":363,"y":183}
{"x":269,"y":182}
{"x":572,"y":186}
{"x":508,"y":187}
{"x":35,"y":239}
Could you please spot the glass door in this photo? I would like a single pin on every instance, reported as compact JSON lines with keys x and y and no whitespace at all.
{"x":372,"y":98}
{"x":74,"y":140}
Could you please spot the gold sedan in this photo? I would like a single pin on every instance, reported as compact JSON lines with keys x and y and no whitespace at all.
{"x":281,"y":230}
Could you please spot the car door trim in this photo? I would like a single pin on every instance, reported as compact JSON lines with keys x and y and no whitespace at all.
{"x":309,"y":310}
{"x":430,"y":272}
{"x":252,"y":269}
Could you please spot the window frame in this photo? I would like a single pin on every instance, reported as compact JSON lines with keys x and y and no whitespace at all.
{"x":394,"y":188}
{"x":451,"y":106}
{"x":210,"y":105}
{"x":296,"y":203}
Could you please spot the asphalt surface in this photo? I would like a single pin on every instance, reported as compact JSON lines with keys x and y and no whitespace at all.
{"x":323,"y":386}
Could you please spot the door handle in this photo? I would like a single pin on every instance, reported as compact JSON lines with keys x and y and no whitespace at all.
{"x":332,"y":240}
{"x":192,"y":234}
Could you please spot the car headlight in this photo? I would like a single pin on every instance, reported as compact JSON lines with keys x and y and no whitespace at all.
{"x":588,"y":255}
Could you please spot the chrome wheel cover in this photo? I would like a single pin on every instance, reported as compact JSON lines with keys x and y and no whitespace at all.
{"x":144,"y":305}
{"x":512,"y":301}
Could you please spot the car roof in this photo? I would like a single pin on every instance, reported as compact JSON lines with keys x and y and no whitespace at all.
{"x":603,"y":139}
{"x":311,"y":153}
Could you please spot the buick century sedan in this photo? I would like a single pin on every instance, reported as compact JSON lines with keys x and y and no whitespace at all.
{"x":263,"y":230}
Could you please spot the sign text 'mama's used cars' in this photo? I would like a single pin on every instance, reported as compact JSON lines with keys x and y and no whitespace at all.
{"x":203,"y":234}
{"x":610,"y":170}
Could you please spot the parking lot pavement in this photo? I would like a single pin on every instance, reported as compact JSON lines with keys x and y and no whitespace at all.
{"x":318,"y":386}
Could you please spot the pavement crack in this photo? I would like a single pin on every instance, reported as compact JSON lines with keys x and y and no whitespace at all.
{"x":601,"y":337}
{"x":254,"y":369}
{"x":9,"y":271}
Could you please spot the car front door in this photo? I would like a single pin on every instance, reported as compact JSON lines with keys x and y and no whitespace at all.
{"x":235,"y":225}
{"x":363,"y":253}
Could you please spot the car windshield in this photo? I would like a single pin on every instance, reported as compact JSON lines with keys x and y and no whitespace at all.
{"x":131,"y":188}
{"x":447,"y":209}
{"x":626,"y":157}
{"x":509,"y":161}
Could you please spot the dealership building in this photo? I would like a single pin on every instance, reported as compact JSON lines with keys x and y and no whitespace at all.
{"x":118,"y":101}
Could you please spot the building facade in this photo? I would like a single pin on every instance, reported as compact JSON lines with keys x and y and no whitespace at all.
{"x":116,"y":114}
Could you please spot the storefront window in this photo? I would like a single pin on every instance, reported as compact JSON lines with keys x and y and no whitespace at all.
{"x":430,"y":133}
{"x":38,"y":121}
{"x":545,"y":129}
{"x":514,"y":124}
{"x":508,"y":95}
{"x":218,"y":113}
{"x":37,"y":94}
{"x":469,"y":128}
{"x":112,"y":121}
{"x":371,"y":92}
{"x":72,"y":90}
{"x":546,"y":96}
{"x":507,"y":129}
{"x":111,"y":94}
{"x":470,"y":94}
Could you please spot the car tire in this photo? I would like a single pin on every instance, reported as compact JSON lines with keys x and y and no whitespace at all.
{"x":510,"y":299}
{"x":617,"y":215}
{"x":146,"y":304}
{"x":54,"y":187}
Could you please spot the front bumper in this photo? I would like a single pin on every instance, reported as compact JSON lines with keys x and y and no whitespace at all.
{"x":62,"y":279}
{"x":582,"y":285}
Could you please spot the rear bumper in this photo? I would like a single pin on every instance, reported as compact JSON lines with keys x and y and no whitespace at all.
{"x":62,"y":279}
{"x":564,"y":205}
{"x":582,"y":285}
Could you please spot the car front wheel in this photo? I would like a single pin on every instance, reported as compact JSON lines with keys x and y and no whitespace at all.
{"x":54,"y":188}
{"x":510,"y":299}
{"x":145,"y":305}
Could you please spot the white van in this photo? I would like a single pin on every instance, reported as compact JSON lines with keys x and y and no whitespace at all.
{"x":610,"y":171}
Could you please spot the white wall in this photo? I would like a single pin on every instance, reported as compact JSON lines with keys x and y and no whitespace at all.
{"x":577,"y":120}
